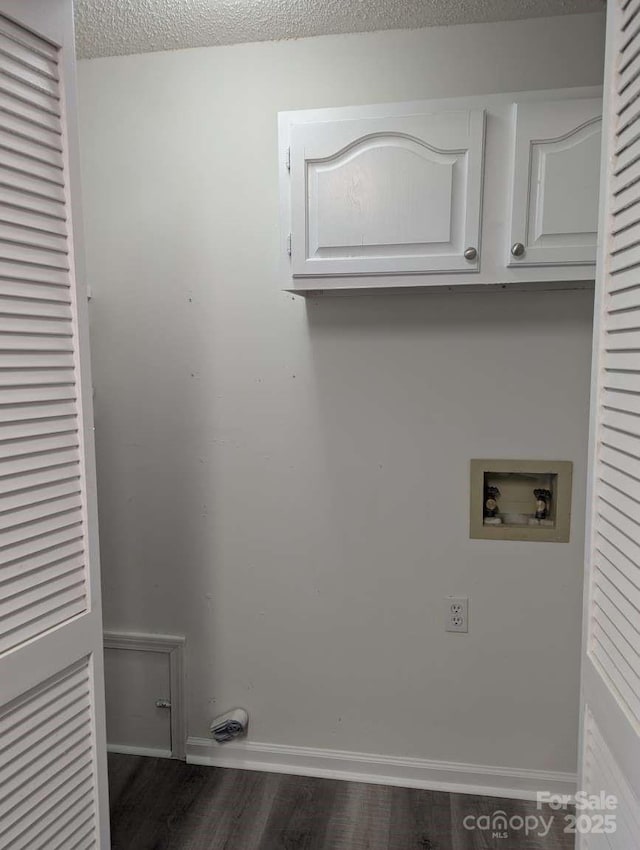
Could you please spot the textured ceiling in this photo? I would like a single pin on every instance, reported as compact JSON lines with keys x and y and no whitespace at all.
{"x":112,"y":27}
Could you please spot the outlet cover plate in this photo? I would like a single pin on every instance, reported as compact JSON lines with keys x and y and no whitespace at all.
{"x":456,"y":613}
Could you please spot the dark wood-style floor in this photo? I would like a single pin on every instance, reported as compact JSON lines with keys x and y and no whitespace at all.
{"x":157,"y":804}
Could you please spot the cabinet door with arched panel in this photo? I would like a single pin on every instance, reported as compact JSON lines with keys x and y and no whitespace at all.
{"x":556,"y":176}
{"x":387,"y":193}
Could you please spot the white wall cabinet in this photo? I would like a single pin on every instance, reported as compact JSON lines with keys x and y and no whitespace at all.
{"x":438,"y":193}
{"x":387,"y":194}
{"x":556,"y":176}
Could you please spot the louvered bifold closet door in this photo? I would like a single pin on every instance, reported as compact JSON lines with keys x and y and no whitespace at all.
{"x":615,"y":636}
{"x":52,"y":748}
{"x":611,"y":661}
{"x":42,"y":546}
{"x":46,"y":766}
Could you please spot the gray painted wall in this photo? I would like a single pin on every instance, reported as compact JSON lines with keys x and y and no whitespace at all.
{"x":286,"y":482}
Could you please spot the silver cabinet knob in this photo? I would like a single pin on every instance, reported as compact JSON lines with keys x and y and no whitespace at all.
{"x":470,"y":254}
{"x":517,"y":249}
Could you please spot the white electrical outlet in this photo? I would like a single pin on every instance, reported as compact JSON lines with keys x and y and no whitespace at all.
{"x":457,"y":613}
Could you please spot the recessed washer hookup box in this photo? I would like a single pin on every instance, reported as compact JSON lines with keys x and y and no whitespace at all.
{"x":528,"y":500}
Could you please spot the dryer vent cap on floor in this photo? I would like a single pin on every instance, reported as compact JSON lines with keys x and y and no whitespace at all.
{"x":230,"y":725}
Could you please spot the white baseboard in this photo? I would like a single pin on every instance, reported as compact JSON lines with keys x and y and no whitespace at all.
{"x":381,"y":770}
{"x":139,"y":751}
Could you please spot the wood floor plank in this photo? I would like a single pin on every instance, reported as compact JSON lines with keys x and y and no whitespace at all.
{"x":151,"y":804}
{"x":121,"y":769}
{"x":299,"y":815}
{"x":420,"y":820}
{"x":232,"y":814}
{"x":470,"y":806}
{"x":160,"y":804}
{"x":360,"y":818}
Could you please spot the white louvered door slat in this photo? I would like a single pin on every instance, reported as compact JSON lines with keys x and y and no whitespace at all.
{"x":610,"y":716}
{"x":52,"y":740}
